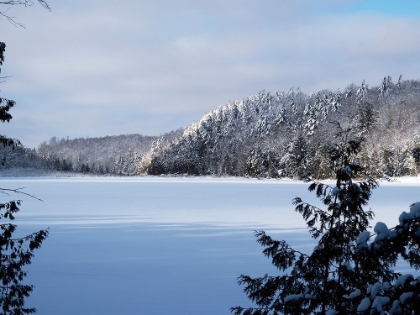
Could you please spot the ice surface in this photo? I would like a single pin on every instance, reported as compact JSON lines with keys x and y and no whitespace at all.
{"x":162,"y":245}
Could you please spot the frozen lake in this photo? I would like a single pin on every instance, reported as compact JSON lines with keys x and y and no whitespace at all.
{"x":162,"y":245}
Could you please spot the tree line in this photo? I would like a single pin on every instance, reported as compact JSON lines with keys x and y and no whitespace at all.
{"x":119,"y":155}
{"x":291,"y":134}
{"x":268,"y":135}
{"x":110,"y":155}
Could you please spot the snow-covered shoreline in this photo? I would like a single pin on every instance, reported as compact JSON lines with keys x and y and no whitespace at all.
{"x":31,"y":173}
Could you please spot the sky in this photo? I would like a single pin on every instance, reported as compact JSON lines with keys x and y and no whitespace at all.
{"x":108,"y":67}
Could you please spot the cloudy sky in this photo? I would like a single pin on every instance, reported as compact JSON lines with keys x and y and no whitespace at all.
{"x":108,"y":67}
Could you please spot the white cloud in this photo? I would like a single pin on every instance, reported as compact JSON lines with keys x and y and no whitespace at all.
{"x":152,"y":66}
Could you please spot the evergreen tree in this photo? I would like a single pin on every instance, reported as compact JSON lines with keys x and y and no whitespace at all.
{"x":15,"y":253}
{"x":296,"y":127}
{"x":350,"y":271}
{"x":297,"y":158}
{"x":366,"y":117}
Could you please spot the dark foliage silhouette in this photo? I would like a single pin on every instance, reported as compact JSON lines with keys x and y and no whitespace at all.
{"x":350,"y":271}
{"x":15,"y":252}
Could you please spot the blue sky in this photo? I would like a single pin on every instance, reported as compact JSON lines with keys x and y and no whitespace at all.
{"x":107,"y":67}
{"x":408,"y":8}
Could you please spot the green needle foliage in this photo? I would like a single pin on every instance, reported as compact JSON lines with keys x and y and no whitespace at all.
{"x":350,"y":271}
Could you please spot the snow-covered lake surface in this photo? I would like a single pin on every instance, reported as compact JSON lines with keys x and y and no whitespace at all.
{"x":162,"y":245}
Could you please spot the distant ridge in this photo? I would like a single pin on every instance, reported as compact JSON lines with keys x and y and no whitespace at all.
{"x":290,"y":134}
{"x":268,"y":135}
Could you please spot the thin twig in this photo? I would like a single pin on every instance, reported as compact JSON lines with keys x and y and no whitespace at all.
{"x":18,"y":191}
{"x":26,"y":3}
{"x":11,"y":19}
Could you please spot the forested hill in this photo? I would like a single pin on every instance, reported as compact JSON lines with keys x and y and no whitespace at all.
{"x":291,"y":134}
{"x":102,"y":155}
{"x":282,"y":134}
{"x":119,"y":155}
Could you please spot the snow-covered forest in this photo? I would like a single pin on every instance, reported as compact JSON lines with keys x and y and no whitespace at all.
{"x":291,"y":134}
{"x":107,"y":155}
{"x":118,"y":155}
{"x":281,"y":134}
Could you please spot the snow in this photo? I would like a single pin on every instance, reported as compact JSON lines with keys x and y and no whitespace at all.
{"x":381,"y":231}
{"x":402,"y":279}
{"x":363,"y":238}
{"x":163,"y":245}
{"x":364,"y":305}
{"x":396,"y":309}
{"x":354,"y":294}
{"x":375,"y":289}
{"x":293,"y":297}
{"x":414,"y":213}
{"x":415,"y":209}
{"x":379,"y":302}
{"x":405,"y":179}
{"x":405,"y":296}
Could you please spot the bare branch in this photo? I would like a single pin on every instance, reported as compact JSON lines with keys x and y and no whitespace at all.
{"x":18,"y":191}
{"x":11,"y":19}
{"x":26,"y":3}
{"x":2,"y":79}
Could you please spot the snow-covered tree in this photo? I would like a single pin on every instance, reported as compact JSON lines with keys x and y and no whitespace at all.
{"x":386,"y":86}
{"x":226,"y":140}
{"x":366,"y":117}
{"x":262,"y":164}
{"x":362,"y":92}
{"x":296,"y":159}
{"x":102,"y":155}
{"x":351,"y":270}
{"x":395,"y":160}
